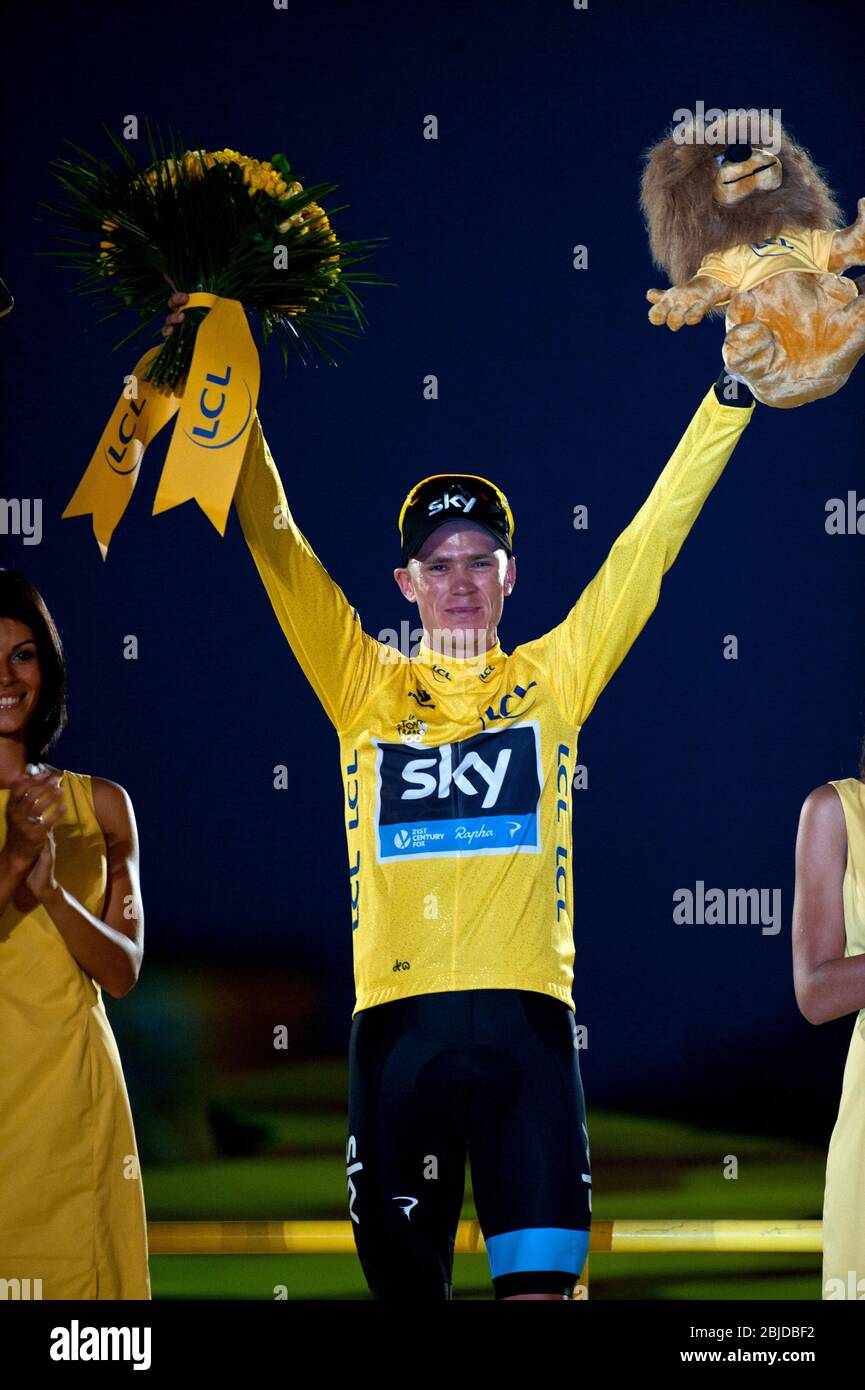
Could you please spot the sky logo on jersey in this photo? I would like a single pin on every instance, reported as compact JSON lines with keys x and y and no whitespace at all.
{"x":478,"y":796}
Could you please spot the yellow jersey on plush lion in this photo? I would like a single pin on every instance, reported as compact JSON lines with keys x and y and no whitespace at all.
{"x":756,"y":230}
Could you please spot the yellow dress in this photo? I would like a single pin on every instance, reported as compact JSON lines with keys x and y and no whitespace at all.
{"x":72,"y":1218}
{"x":844,"y":1196}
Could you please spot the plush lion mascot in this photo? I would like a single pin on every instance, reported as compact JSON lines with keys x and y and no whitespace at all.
{"x":757,"y":230}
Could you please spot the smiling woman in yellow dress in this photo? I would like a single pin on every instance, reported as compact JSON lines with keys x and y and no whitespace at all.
{"x":829,"y":979}
{"x":72,"y":1221}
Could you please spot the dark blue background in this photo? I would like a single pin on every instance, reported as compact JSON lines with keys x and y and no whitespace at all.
{"x":552,"y":382}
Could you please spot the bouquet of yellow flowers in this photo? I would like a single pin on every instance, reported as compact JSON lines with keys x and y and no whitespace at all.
{"x":242,"y":237}
{"x":216,"y":221}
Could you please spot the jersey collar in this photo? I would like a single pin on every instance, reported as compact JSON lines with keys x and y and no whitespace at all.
{"x":460,"y":672}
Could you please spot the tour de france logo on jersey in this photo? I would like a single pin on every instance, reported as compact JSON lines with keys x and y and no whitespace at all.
{"x":478,"y":796}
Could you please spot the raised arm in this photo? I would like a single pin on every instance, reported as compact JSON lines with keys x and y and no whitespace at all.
{"x":342,"y":663}
{"x":827,"y":984}
{"x":583,"y":651}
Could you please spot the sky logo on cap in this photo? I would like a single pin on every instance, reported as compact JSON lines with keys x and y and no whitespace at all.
{"x":459,"y":501}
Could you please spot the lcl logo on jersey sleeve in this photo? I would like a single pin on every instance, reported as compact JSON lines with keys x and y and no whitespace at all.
{"x":479,"y":796}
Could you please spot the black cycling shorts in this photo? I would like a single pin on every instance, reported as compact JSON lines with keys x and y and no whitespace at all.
{"x":489,"y":1072}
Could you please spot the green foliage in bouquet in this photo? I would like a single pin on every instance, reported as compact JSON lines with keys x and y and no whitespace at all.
{"x":215,"y":221}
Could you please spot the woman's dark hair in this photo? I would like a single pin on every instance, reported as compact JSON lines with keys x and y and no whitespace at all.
{"x":22,"y":602}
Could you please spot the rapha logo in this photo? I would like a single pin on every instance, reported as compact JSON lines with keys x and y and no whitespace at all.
{"x":411,"y":1204}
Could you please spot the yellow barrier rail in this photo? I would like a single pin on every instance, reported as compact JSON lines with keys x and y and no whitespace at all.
{"x":335,"y":1237}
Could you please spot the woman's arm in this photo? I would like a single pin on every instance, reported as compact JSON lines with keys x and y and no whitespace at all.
{"x":827,"y":984}
{"x":26,"y":833}
{"x":109,"y":950}
{"x":12,"y":872}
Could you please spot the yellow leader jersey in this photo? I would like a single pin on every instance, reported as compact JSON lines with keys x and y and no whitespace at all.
{"x":458,"y":772}
{"x":743,"y":267}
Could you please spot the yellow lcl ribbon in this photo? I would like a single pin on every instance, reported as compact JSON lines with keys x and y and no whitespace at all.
{"x":215,"y":409}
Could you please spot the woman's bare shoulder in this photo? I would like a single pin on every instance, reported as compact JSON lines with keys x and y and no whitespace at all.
{"x":113,"y":807}
{"x":822,"y":816}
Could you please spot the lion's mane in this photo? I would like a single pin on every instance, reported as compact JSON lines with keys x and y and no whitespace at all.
{"x":685,"y":223}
